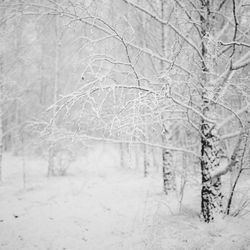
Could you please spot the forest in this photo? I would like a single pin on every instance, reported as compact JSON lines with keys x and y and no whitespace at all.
{"x":125,"y":124}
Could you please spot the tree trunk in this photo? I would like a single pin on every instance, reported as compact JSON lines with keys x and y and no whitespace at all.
{"x":168,"y":180}
{"x":122,"y":156}
{"x":145,"y":159}
{"x":239,"y":159}
{"x":17,"y":144}
{"x":167,"y":157}
{"x":145,"y":149}
{"x":154,"y":159}
{"x":137,"y":149}
{"x":211,"y":196}
{"x":51,"y":162}
{"x":167,"y":166}
{"x":2,"y":29}
{"x":15,"y":133}
{"x":1,"y":115}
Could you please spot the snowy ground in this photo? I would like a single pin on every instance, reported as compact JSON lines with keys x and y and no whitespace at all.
{"x":101,"y":207}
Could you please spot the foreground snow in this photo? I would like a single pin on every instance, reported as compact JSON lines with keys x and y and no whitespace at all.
{"x":99,"y":206}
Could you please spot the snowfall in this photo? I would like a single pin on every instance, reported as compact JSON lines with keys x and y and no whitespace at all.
{"x":100,"y":206}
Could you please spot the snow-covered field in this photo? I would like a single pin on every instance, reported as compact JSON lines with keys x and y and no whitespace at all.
{"x":99,"y":206}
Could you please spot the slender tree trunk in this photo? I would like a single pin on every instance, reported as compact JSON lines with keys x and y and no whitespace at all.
{"x":23,"y":158}
{"x":239,"y":161}
{"x":145,"y":146}
{"x":130,"y":155}
{"x":2,"y":29}
{"x":137,"y":155}
{"x":122,"y":157}
{"x":16,"y":138}
{"x":167,"y":172}
{"x":145,"y":151}
{"x":211,"y":196}
{"x":51,"y":163}
{"x":167,"y":165}
{"x":167,"y":157}
{"x":154,"y":161}
{"x":183,"y":180}
{"x":21,"y":79}
{"x":1,"y":115}
{"x":145,"y":160}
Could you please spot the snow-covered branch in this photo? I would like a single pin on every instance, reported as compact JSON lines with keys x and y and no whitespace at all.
{"x":229,"y":118}
{"x":162,"y":21}
{"x":236,"y":43}
{"x":236,"y":155}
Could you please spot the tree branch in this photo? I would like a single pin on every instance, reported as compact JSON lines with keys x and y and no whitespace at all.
{"x":159,"y":20}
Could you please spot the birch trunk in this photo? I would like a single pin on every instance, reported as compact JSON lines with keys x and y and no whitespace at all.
{"x":167,"y":166}
{"x":167,"y":157}
{"x":211,"y":196}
